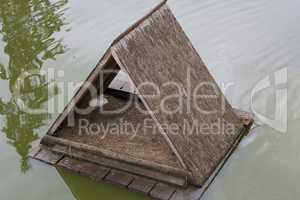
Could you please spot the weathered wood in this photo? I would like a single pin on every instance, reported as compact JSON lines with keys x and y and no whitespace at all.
{"x":91,"y":170}
{"x":119,"y":177}
{"x":162,"y":191}
{"x":47,"y":156}
{"x":137,"y":183}
{"x":34,"y":151}
{"x":106,"y":63}
{"x":141,"y":184}
{"x":50,"y":140}
{"x":144,"y":185}
{"x":140,"y":140}
{"x":247,"y":118}
{"x":156,"y":175}
{"x":155,"y":50}
{"x":158,"y":51}
{"x":195,"y":193}
{"x":131,"y":28}
{"x":191,"y":193}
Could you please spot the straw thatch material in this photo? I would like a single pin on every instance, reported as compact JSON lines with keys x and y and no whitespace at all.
{"x":155,"y":49}
{"x":158,"y":51}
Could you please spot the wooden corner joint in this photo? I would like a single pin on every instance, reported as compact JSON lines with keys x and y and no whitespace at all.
{"x":247,"y":120}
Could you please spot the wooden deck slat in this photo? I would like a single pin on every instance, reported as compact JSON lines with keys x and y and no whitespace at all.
{"x":34,"y":151}
{"x":119,"y":165}
{"x":119,"y":177}
{"x":92,"y":149}
{"x":137,"y":183}
{"x":91,"y":170}
{"x":162,"y":191}
{"x":141,"y":184}
{"x":48,"y":156}
{"x":191,"y":193}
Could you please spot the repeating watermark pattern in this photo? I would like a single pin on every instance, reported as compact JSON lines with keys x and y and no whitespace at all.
{"x":132,"y":130}
{"x":279,"y":122}
{"x":205,"y":98}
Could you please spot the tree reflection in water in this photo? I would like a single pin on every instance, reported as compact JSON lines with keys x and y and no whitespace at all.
{"x":27,"y":28}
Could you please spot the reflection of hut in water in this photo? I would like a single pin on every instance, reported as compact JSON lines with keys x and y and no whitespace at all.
{"x":165,"y":164}
{"x":27,"y":28}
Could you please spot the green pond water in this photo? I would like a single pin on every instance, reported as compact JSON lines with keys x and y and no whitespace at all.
{"x":251,"y":47}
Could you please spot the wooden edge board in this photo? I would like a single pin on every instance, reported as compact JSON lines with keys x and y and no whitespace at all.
{"x":162,"y":191}
{"x":47,"y":156}
{"x":120,"y":177}
{"x":91,"y":170}
{"x":35,"y":149}
{"x":133,"y":169}
{"x":135,"y":183}
{"x":190,"y":193}
{"x":149,"y":186}
{"x":98,"y":173}
{"x":50,"y":140}
{"x":142,"y":185}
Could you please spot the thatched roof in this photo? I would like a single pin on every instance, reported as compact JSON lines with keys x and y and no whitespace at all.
{"x":157,"y":50}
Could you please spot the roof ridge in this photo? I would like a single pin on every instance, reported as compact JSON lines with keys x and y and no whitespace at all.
{"x":138,"y":22}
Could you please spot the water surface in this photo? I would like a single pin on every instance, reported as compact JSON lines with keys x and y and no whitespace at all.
{"x":242,"y":43}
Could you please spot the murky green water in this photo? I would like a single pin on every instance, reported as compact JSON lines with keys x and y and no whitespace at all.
{"x":242,"y":42}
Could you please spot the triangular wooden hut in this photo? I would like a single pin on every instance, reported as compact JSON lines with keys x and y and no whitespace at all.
{"x":154,"y":50}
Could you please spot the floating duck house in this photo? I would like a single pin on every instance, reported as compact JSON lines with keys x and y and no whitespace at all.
{"x":162,"y":165}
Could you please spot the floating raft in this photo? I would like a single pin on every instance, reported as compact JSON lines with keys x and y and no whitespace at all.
{"x":165,"y":165}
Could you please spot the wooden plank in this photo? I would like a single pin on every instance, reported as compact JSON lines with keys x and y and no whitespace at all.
{"x":50,"y":140}
{"x":191,"y":193}
{"x":48,"y":156}
{"x":247,"y":118}
{"x":119,"y":177}
{"x":162,"y":191}
{"x":159,"y":45}
{"x":91,"y":170}
{"x":34,"y":151}
{"x":141,"y":184}
{"x":163,"y":177}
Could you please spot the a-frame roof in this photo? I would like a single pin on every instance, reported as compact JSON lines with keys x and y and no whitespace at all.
{"x":157,"y":50}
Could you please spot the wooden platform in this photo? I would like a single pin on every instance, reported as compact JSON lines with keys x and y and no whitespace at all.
{"x":92,"y":167}
{"x":151,"y":159}
{"x":156,"y":50}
